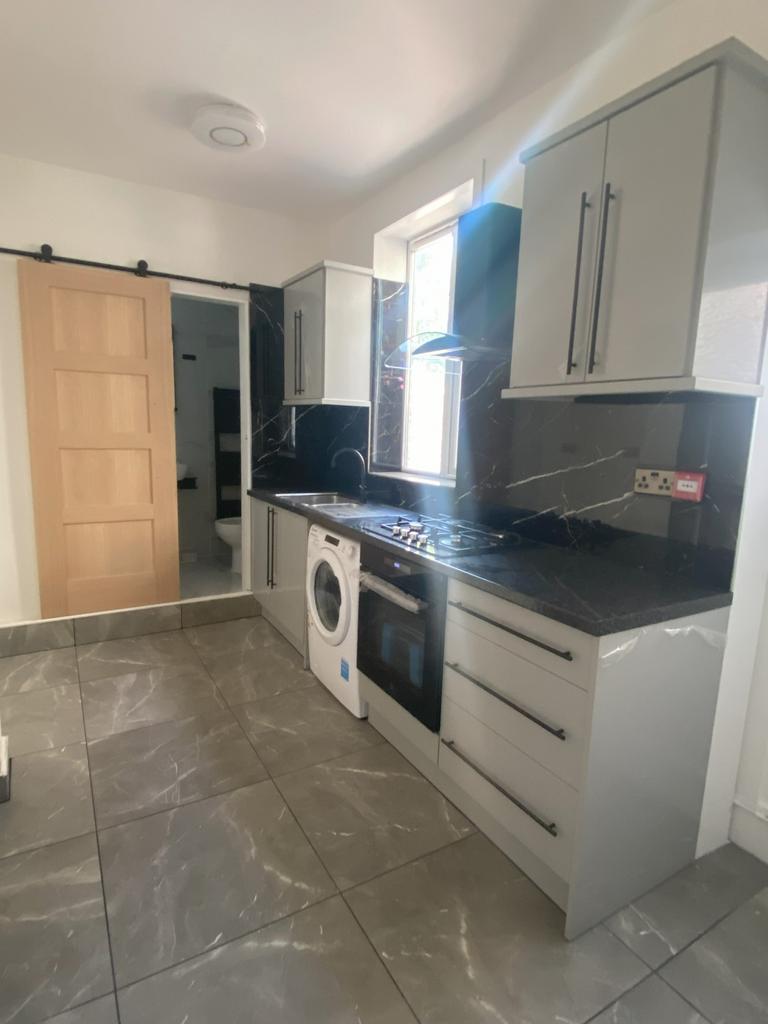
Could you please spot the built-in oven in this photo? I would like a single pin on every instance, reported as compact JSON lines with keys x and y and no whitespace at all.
{"x":401,"y":629}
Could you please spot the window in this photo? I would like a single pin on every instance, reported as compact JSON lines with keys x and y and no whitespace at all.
{"x":429,"y":387}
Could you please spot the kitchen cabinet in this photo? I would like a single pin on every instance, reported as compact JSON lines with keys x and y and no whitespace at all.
{"x":556,"y":269}
{"x":584,"y":758}
{"x":629,"y":220}
{"x":328,"y":336}
{"x":279,"y":569}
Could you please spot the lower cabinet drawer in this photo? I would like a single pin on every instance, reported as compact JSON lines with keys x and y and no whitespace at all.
{"x":539,"y":809}
{"x":542,"y":714}
{"x":554,"y":646}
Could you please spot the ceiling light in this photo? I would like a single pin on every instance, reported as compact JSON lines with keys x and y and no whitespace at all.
{"x":225,"y":126}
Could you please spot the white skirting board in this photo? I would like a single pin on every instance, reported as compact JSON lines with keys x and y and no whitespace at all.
{"x":750,"y":831}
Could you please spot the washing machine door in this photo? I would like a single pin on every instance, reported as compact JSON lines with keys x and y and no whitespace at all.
{"x":328,"y":596}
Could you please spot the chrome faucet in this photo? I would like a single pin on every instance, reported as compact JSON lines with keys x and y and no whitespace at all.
{"x":361,"y":457}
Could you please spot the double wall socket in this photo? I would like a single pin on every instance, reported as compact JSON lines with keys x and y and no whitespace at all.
{"x":654,"y":481}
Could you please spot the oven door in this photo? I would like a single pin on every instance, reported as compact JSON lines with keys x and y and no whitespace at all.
{"x":400,"y":633}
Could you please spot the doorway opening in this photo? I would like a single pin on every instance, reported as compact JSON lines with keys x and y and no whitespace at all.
{"x":206,"y":359}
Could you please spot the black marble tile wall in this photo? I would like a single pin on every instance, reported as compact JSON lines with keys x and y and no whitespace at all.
{"x":563,"y":471}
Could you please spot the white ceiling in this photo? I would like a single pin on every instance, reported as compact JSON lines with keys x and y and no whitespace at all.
{"x":351,"y":91}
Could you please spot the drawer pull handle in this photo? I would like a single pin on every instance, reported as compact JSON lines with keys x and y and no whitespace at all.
{"x":551,"y":729}
{"x":565,"y":655}
{"x":548,"y":826}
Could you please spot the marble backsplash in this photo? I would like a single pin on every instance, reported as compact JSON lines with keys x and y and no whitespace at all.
{"x":563,"y":470}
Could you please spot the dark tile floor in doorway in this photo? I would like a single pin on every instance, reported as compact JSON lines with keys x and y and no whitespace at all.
{"x":200,"y":834}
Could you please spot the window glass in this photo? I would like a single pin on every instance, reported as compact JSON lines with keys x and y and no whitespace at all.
{"x":416,"y":399}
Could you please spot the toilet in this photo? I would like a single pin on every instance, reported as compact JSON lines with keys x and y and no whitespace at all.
{"x":230,"y":531}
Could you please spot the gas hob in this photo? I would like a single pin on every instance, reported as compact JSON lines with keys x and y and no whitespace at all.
{"x":439,"y":536}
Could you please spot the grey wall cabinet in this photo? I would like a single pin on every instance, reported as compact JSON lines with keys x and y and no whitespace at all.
{"x":279,"y":569}
{"x":629,"y":219}
{"x":328,"y":336}
{"x":556,"y":273}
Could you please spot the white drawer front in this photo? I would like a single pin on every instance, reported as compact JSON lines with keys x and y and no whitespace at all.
{"x":560,"y":649}
{"x":496,"y":774}
{"x":543,"y":715}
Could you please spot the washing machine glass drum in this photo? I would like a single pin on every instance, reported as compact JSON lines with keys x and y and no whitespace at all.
{"x":329,"y":600}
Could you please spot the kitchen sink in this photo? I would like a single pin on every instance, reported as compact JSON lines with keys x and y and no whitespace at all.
{"x":322,"y":500}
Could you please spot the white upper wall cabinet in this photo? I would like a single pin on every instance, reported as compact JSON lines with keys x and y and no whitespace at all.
{"x":644,"y":249}
{"x":328,"y":336}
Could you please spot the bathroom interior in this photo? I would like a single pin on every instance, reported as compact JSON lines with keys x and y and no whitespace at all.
{"x":206,"y":362}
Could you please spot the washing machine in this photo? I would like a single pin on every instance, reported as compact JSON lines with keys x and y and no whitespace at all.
{"x":333,"y":580}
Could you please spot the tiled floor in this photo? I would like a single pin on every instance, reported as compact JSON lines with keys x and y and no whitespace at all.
{"x":198,"y":827}
{"x":207,"y":577}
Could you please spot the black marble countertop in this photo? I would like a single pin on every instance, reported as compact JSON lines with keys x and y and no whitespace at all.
{"x":590,"y":593}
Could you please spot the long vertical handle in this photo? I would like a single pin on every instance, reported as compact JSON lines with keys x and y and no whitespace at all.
{"x":295,"y":351}
{"x":584,"y":206}
{"x":272,"y":552}
{"x":268,"y":580}
{"x":301,"y":352}
{"x":607,"y":197}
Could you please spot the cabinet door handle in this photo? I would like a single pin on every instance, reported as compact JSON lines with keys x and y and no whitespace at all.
{"x":272,"y":552}
{"x":268,"y":580}
{"x":553,"y":730}
{"x":608,"y":195}
{"x":565,"y":655}
{"x":295,"y":352}
{"x":300,"y":389}
{"x":583,"y":207}
{"x":548,"y":826}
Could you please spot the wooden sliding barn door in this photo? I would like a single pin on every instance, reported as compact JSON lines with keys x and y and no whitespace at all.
{"x":99,"y":371}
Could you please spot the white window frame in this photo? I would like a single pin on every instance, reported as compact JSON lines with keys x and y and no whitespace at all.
{"x":453,"y":380}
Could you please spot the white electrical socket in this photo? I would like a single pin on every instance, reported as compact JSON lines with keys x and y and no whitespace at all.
{"x":654,"y":481}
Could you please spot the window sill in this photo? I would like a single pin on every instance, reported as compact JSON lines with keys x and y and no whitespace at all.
{"x":414,"y":478}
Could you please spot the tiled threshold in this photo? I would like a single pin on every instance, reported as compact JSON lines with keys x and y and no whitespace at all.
{"x":54,"y":634}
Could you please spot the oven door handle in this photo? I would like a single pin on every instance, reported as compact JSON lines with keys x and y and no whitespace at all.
{"x":391,"y":593}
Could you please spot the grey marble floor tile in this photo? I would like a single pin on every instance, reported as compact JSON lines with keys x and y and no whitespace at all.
{"x":100,"y":1011}
{"x":316,"y":967}
{"x":219,"y":609}
{"x":468,"y":939}
{"x":42,"y":719}
{"x":182,"y":882}
{"x":36,"y":636}
{"x":256,"y":675}
{"x":652,"y":1002}
{"x":53,"y":939}
{"x":249,"y":660}
{"x":237,"y":637}
{"x":152,"y":695}
{"x":725,"y":972}
{"x":50,"y":800}
{"x":117,"y":625}
{"x":161,"y":766}
{"x":26,"y":672}
{"x":671,"y":916}
{"x":296,"y":730}
{"x":371,"y":811}
{"x":120,"y":657}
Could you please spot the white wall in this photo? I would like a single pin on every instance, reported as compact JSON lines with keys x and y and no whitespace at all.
{"x":94,"y":217}
{"x":489,"y":154}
